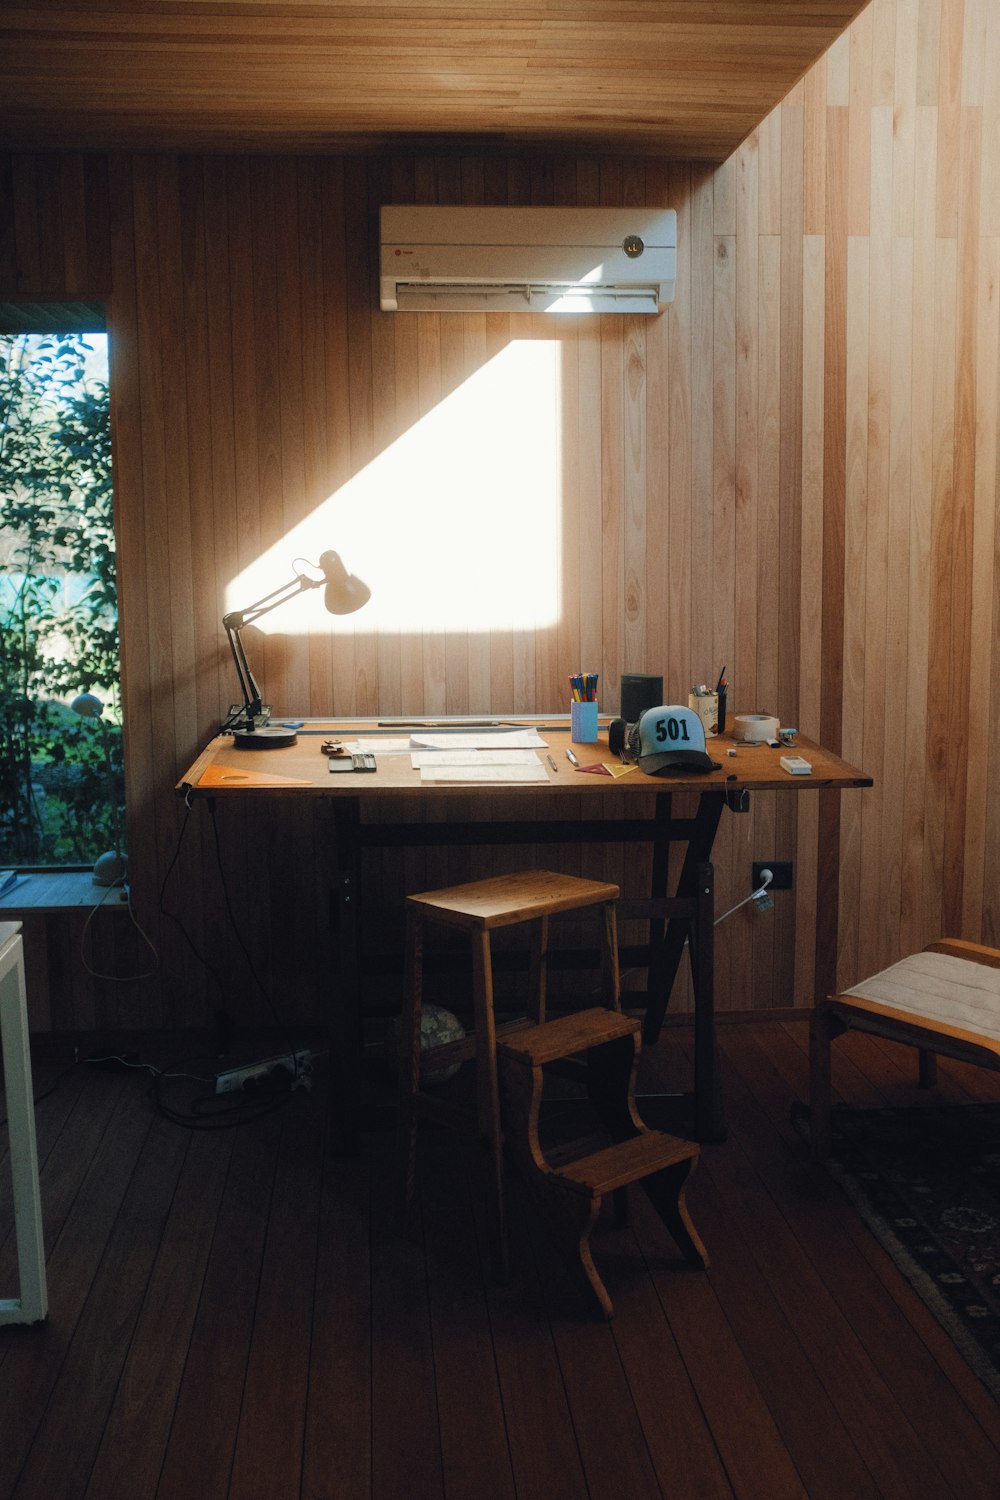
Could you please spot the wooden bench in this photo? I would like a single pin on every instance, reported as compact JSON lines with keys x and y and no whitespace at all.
{"x":945,"y":999}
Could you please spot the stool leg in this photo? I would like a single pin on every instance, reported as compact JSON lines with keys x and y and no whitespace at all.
{"x":409,"y":1063}
{"x":539,"y":968}
{"x":609,"y":958}
{"x":665,"y":1190}
{"x":488,"y":1095}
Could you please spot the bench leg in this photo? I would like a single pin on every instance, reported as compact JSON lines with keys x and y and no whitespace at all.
{"x":823,"y":1027}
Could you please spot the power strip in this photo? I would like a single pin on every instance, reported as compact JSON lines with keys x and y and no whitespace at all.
{"x":272,"y":1067}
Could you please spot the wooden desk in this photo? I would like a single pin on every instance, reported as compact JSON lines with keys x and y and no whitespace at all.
{"x":685,"y":913}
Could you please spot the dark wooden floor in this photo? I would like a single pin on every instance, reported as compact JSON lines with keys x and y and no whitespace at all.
{"x":231,"y":1315}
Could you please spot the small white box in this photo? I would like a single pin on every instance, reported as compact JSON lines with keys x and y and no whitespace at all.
{"x":795,"y":765}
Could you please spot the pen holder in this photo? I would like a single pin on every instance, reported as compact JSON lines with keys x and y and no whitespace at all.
{"x":706,"y":706}
{"x":583,"y":723}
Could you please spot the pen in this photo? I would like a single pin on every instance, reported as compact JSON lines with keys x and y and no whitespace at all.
{"x":552,"y":762}
{"x":572,"y":758}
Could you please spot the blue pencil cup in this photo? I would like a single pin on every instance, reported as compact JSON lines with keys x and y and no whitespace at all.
{"x":583,"y":723}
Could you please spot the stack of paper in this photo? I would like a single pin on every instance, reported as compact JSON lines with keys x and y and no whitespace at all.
{"x":499,"y":757}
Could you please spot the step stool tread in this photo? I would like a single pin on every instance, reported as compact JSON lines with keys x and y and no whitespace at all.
{"x":628,"y":1161}
{"x":569,"y":1034}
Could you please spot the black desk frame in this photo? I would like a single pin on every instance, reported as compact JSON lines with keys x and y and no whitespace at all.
{"x":686,"y":914}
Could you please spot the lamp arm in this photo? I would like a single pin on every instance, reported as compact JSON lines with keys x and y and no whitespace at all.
{"x":234,"y":622}
{"x":248,"y":687}
{"x":237,"y":618}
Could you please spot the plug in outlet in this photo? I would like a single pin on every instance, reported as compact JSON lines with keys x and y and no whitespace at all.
{"x":239,"y":1078}
{"x":781,"y":873}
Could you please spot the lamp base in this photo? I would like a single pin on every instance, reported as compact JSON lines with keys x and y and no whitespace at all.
{"x":110,"y":869}
{"x":266,"y":738}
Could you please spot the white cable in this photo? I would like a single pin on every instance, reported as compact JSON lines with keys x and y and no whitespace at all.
{"x":766,"y":876}
{"x":119,"y":978}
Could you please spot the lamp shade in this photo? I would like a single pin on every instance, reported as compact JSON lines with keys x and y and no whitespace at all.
{"x":345,"y":592}
{"x":87,"y":705}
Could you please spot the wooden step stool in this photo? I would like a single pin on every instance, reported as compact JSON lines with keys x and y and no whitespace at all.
{"x":479,"y":908}
{"x":569,"y":1183}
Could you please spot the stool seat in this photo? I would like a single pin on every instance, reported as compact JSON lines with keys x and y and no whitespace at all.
{"x":479,"y":908}
{"x":945,"y":999}
{"x":506,"y":900}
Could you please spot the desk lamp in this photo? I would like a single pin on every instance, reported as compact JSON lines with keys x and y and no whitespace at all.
{"x":343,"y":595}
{"x":110,"y":868}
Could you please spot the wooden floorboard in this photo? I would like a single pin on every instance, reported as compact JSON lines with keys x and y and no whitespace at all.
{"x":233,"y":1317}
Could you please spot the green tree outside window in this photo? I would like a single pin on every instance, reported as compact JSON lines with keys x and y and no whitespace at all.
{"x":58,"y":602}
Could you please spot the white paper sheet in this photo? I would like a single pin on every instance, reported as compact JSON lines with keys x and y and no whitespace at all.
{"x":380,"y":745}
{"x":450,"y":757}
{"x":439,"y":775}
{"x":478,"y":739}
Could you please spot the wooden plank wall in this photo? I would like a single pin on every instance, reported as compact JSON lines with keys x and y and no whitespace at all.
{"x":793,"y":471}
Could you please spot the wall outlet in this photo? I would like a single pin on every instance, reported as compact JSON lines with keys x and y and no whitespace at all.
{"x":239,"y":1078}
{"x":781,"y":869}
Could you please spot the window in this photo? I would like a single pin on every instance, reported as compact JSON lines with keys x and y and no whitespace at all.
{"x":61,"y":783}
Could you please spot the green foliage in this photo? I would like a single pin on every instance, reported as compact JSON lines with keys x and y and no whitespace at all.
{"x":58,"y":603}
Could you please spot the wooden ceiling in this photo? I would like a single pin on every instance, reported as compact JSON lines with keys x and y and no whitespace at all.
{"x":680,"y":78}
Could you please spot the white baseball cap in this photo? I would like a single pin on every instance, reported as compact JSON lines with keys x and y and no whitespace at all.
{"x":670,"y":738}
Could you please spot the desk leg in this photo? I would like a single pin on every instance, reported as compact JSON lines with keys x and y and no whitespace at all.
{"x":709,"y":1117}
{"x":663,"y":965}
{"x":345,"y":1010}
{"x":696,"y":882}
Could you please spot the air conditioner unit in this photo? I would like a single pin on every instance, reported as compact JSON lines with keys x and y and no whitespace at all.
{"x":508,"y":260}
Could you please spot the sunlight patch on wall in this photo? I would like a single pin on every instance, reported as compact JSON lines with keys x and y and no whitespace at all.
{"x":455,"y":527}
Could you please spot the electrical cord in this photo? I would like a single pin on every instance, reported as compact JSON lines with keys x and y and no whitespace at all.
{"x":276,"y":1016}
{"x":171,"y":915}
{"x":119,"y":978}
{"x":220,"y":1112}
{"x":205,"y":1114}
{"x":766,"y":877}
{"x":279,"y":1019}
{"x":207,"y":1111}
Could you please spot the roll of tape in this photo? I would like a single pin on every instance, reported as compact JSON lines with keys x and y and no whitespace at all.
{"x":755,"y":729}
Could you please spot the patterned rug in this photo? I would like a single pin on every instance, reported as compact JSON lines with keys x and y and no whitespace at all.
{"x":926,"y":1180}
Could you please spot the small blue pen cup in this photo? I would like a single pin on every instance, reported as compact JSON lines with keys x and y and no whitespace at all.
{"x":583,"y":723}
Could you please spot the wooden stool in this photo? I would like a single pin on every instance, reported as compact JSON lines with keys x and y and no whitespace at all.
{"x":479,"y":908}
{"x":945,"y":999}
{"x":568,"y":1182}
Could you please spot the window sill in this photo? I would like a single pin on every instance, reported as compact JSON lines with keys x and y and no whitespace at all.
{"x":60,"y":890}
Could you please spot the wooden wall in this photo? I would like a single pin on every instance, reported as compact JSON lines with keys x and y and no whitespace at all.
{"x":793,"y":471}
